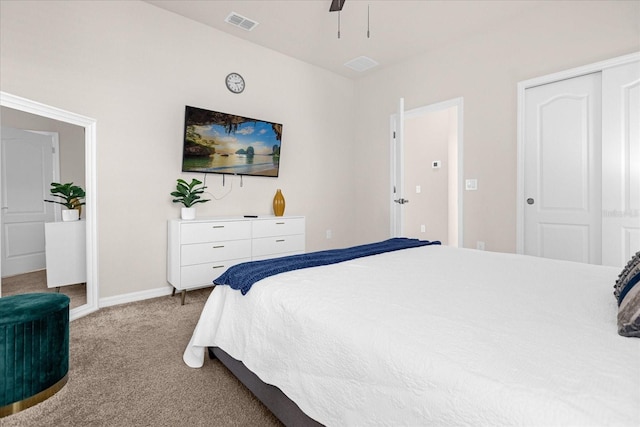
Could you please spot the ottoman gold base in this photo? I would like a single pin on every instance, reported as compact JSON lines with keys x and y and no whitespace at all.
{"x":15,"y":407}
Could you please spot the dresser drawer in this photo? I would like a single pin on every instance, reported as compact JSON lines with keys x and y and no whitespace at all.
{"x":204,"y":274}
{"x":198,"y":253}
{"x":278,"y":245}
{"x":201,"y":232}
{"x":277,"y":227}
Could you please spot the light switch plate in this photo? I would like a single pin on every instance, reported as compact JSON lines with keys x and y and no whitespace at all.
{"x":471,"y":184}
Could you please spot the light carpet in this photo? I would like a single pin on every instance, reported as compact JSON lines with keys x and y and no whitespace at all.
{"x":36,"y":281}
{"x":126,"y":369}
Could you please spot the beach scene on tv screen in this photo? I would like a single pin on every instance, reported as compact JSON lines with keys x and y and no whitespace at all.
{"x":223,"y":143}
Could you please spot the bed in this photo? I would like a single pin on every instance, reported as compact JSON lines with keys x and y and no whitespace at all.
{"x":430,"y":335}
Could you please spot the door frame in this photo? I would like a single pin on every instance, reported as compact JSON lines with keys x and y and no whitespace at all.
{"x":55,"y":137}
{"x":89,"y":125}
{"x":458,"y":103}
{"x":538,"y":81}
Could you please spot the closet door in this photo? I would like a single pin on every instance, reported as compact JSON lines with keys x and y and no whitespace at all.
{"x":562,"y":170}
{"x":620,"y":163}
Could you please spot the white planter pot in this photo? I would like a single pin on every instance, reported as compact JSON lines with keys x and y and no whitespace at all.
{"x":70,"y":215}
{"x":188,"y":213}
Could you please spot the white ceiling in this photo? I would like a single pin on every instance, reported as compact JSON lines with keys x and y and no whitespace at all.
{"x":399,"y":29}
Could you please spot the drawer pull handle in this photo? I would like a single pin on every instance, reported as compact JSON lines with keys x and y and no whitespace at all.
{"x":218,"y":226}
{"x":218,"y":247}
{"x":280,"y":240}
{"x":218,"y":266}
{"x":280,"y":223}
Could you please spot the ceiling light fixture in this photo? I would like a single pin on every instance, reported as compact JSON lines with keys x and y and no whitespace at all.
{"x":368,"y":33}
{"x":337,"y":5}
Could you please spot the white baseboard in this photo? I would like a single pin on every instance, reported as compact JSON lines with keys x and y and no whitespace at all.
{"x":135,"y":296}
{"x":81,"y":311}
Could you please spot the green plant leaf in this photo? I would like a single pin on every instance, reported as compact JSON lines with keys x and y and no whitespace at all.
{"x":70,"y":194}
{"x":188,"y":193}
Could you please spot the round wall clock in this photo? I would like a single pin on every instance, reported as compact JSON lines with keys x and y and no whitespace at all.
{"x":234,"y":82}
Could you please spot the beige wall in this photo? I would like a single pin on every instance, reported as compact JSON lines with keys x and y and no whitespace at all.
{"x":426,"y":139}
{"x":133,"y":67}
{"x":484,"y":70}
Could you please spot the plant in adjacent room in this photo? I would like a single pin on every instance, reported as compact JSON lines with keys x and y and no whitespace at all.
{"x":188,"y":193}
{"x":69,"y":195}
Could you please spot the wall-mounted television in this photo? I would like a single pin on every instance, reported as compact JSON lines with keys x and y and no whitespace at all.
{"x":216,"y":142}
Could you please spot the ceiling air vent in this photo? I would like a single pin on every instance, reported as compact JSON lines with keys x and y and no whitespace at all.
{"x":240,"y":21}
{"x":361,"y":63}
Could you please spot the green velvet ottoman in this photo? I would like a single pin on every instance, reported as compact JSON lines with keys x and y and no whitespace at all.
{"x":34,"y":349}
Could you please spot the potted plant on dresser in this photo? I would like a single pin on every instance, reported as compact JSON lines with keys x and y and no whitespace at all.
{"x":188,"y":194}
{"x":71,"y":197}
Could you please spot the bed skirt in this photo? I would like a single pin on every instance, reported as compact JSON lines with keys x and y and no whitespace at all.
{"x":272,"y":397}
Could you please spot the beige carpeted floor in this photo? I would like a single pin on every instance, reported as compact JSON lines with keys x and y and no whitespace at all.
{"x":126,"y":369}
{"x":36,"y":281}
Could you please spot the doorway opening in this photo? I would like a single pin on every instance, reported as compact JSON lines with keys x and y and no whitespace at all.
{"x":427,"y":172}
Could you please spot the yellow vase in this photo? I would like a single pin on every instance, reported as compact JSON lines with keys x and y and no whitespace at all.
{"x":278,"y":203}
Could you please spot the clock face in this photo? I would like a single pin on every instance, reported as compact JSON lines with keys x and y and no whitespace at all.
{"x":235,"y":82}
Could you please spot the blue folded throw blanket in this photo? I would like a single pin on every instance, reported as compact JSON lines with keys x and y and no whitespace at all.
{"x":243,"y":276}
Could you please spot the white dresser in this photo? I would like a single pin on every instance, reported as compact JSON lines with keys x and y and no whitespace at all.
{"x":200,"y":250}
{"x":65,"y":252}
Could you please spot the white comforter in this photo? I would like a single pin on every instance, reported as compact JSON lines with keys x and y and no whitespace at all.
{"x":435,"y":336}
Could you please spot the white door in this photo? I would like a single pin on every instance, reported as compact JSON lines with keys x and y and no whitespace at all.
{"x":27,"y":161}
{"x":562,"y":170}
{"x":426,"y":164}
{"x":398,"y":201}
{"x":620,"y":163}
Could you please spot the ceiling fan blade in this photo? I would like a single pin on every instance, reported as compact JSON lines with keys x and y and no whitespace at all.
{"x":336,"y":5}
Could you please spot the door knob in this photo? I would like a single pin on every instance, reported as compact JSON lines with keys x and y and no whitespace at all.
{"x":530,"y":201}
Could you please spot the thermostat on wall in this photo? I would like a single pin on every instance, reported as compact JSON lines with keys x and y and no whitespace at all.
{"x":436,"y":164}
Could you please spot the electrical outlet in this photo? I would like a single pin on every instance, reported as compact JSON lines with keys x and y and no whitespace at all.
{"x":471,"y":184}
{"x":480,"y":245}
{"x":423,"y":228}
{"x":328,"y":234}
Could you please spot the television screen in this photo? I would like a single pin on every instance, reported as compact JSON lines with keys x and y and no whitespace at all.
{"x":223,"y":143}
